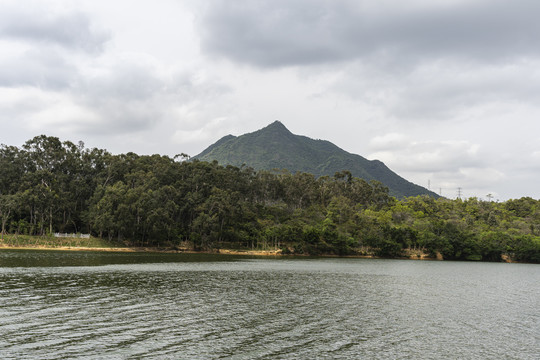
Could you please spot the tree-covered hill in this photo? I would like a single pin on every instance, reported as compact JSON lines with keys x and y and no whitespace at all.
{"x":275,"y":147}
{"x":50,"y":186}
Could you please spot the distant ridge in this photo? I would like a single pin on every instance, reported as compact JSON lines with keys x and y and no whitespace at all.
{"x":275,"y":147}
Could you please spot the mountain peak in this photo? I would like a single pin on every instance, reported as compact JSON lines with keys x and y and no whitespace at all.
{"x":275,"y":147}
{"x":276,"y":126}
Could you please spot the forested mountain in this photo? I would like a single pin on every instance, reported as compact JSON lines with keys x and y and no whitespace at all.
{"x":275,"y":147}
{"x":51,"y":186}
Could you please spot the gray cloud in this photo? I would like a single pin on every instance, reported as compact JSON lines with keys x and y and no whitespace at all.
{"x":37,"y":25}
{"x":57,"y":59}
{"x":122,"y":96}
{"x":275,"y":33}
{"x":43,"y":68}
{"x":441,"y":90}
{"x":43,"y":48}
{"x":132,"y":96}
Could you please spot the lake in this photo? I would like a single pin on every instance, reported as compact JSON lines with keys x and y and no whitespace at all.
{"x":87,"y":305}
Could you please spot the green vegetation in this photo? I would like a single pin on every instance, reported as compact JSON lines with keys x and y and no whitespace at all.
{"x":48,"y":241}
{"x":52,"y":186}
{"x":275,"y":147}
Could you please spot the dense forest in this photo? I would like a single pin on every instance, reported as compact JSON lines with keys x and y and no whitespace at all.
{"x":52,"y":186}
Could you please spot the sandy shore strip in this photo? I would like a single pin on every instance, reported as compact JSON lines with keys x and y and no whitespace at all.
{"x":277,"y":252}
{"x":146,"y":249}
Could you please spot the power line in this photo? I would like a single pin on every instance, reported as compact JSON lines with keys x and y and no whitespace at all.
{"x":459,"y":190}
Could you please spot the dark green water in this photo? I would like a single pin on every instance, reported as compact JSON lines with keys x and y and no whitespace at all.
{"x":59,"y":305}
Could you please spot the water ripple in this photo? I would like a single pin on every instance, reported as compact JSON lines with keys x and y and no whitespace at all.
{"x":271,"y":309}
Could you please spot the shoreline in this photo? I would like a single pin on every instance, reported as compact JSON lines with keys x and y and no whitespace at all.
{"x":412,"y":254}
{"x":146,"y":250}
{"x":274,"y":253}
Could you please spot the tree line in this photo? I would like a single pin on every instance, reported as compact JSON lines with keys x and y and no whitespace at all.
{"x":51,"y":186}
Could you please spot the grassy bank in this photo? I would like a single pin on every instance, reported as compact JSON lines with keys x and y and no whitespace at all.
{"x":97,"y":244}
{"x":26,"y":241}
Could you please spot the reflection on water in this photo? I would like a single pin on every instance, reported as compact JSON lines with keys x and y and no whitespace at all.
{"x":204,"y":307}
{"x":53,"y":258}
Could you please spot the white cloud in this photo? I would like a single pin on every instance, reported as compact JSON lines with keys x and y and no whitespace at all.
{"x":445,"y":165}
{"x":388,"y":142}
{"x":427,"y":156}
{"x":199,"y":132}
{"x":41,"y":68}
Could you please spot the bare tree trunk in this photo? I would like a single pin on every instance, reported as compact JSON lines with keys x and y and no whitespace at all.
{"x":50,"y":220}
{"x":4,"y":220}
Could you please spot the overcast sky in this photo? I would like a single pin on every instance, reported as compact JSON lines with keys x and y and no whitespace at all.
{"x":446,"y":92}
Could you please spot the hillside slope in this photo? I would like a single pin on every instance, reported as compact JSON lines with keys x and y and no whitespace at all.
{"x":275,"y":147}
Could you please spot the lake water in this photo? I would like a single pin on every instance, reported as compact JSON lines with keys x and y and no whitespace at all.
{"x":86,"y":305}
